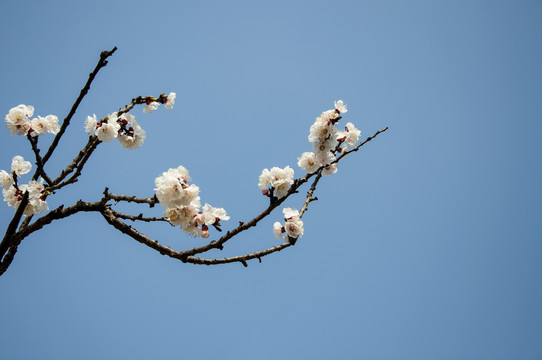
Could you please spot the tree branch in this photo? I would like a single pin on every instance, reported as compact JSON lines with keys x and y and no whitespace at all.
{"x":139,"y":217}
{"x":242,"y":259}
{"x":101,"y":63}
{"x":309,"y":198}
{"x":39,"y":163}
{"x":12,"y":237}
{"x":345,"y":153}
{"x":60,"y":212}
{"x":187,"y":255}
{"x":244,"y":226}
{"x":91,"y":144}
{"x":141,"y":100}
{"x":151,"y":201}
{"x":8,"y":239}
{"x":111,"y":219}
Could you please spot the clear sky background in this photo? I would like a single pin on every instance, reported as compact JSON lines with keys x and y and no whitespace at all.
{"x":427,"y":244}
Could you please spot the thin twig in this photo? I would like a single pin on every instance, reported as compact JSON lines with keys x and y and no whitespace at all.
{"x":139,"y":217}
{"x":309,"y":198}
{"x":242,"y":259}
{"x":151,"y":201}
{"x":77,"y":160}
{"x":93,"y":143}
{"x":359,"y":145}
{"x":141,"y":100}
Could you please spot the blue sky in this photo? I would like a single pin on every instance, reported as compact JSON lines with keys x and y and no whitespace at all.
{"x":427,"y":244}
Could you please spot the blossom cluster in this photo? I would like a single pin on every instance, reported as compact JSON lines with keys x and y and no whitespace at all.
{"x":292,"y":227}
{"x":18,"y":122}
{"x":153,"y":105}
{"x":327,"y":141}
{"x":13,"y":193}
{"x":124,"y":127}
{"x":276,"y":181}
{"x":183,"y":206}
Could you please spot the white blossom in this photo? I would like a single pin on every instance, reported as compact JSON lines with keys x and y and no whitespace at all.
{"x":279,"y":179}
{"x":12,"y":196}
{"x":281,"y":176}
{"x":322,"y":129}
{"x":294,"y":228}
{"x":36,"y":198}
{"x":330,"y":169}
{"x":106,"y":132}
{"x":170,"y":100}
{"x":325,"y":149}
{"x":264,"y":180}
{"x":151,"y":107}
{"x":278,"y":230}
{"x":282,"y":190}
{"x":20,"y":166}
{"x":108,"y":128}
{"x":172,"y":188}
{"x":290,"y":213}
{"x":199,"y":219}
{"x":325,"y":158}
{"x":213,"y":215}
{"x":308,"y":162}
{"x":54,"y":128}
{"x":175,"y":193}
{"x":134,"y":140}
{"x":180,"y":173}
{"x":340,"y":106}
{"x":171,"y":192}
{"x":18,"y":119}
{"x":90,"y":124}
{"x":181,"y":215}
{"x":191,"y":193}
{"x":135,"y":136}
{"x":192,"y":229}
{"x":196,"y":202}
{"x":5,"y":179}
{"x":351,"y":134}
{"x":39,"y":125}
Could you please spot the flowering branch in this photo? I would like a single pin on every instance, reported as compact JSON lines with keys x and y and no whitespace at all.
{"x":174,"y":189}
{"x":19,"y":124}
